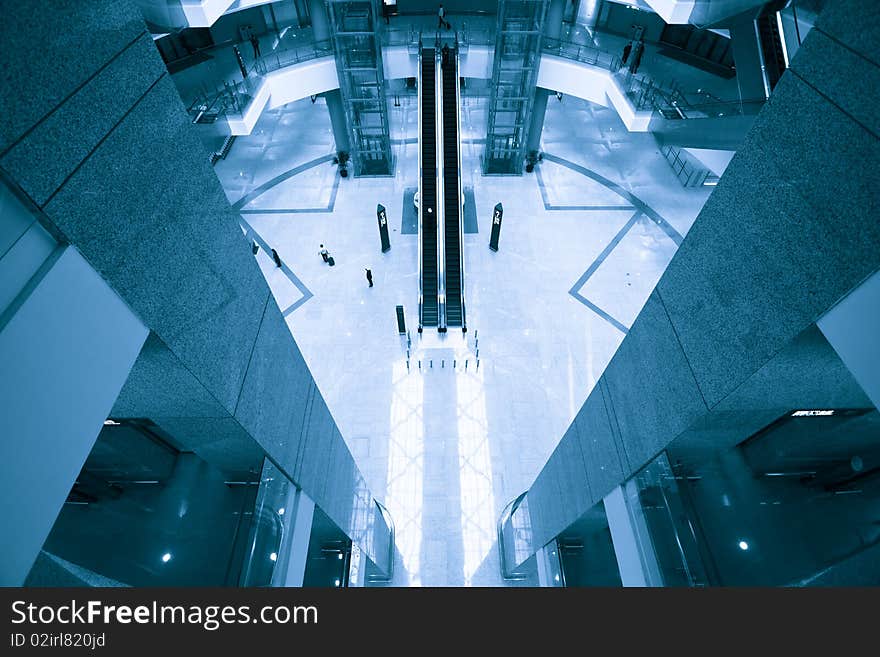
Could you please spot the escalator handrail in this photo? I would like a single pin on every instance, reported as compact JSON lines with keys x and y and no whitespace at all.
{"x":460,"y":197}
{"x":440,"y":201}
{"x":392,"y":533}
{"x":421,"y":196}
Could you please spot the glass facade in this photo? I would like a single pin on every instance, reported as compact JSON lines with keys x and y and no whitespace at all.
{"x":143,"y":513}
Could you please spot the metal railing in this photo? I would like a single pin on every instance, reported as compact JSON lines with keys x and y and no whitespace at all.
{"x":586,"y":54}
{"x":293,"y":53}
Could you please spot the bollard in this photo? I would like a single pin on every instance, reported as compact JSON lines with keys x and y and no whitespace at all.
{"x":407,"y":364}
{"x":465,"y":364}
{"x":432,"y":363}
{"x":443,"y":363}
{"x":478,"y":355}
{"x":478,"y":363}
{"x":454,"y":363}
{"x":420,"y":363}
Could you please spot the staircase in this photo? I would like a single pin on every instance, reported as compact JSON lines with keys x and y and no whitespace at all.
{"x":772,"y":49}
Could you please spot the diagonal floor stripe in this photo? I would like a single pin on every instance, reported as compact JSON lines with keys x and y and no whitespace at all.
{"x":637,"y":203}
{"x":266,"y":186}
{"x":306,"y":292}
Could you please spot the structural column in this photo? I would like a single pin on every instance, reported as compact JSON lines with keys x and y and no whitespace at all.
{"x":552,"y":30}
{"x":335,"y":106}
{"x":303,"y":509}
{"x":637,"y":565}
{"x":338,"y":120}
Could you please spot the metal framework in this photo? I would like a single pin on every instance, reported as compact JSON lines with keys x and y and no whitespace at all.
{"x":514,"y":77}
{"x":355,"y":26}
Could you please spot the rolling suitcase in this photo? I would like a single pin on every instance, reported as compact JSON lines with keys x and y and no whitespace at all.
{"x":331,"y":261}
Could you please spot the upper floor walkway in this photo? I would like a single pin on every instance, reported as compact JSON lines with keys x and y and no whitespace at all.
{"x":681,"y":113}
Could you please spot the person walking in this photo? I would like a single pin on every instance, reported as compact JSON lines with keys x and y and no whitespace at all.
{"x":445,"y":53}
{"x":441,"y":17}
{"x":369,"y":277}
{"x":627,"y":49}
{"x":325,"y":254}
{"x":637,"y":58}
{"x":255,"y":43}
{"x":276,"y":258}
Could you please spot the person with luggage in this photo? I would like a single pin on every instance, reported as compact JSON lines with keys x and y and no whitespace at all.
{"x":441,"y":18}
{"x":276,"y":258}
{"x":325,"y":254}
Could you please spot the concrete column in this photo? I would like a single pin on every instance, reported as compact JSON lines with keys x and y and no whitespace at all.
{"x":553,"y":20}
{"x":748,"y":60}
{"x":637,"y":565}
{"x":536,"y":127}
{"x":338,"y":119}
{"x":552,"y":30}
{"x":320,"y":22}
{"x":303,"y":509}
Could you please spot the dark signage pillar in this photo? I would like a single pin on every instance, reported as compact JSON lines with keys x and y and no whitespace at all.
{"x":497,"y":213}
{"x":401,"y":323}
{"x":383,"y":227}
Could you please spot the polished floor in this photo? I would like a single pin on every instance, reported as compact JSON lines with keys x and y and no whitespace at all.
{"x":448,"y":429}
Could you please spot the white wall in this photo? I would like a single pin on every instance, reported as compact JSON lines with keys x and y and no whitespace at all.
{"x":853,"y":329}
{"x":591,"y":83}
{"x":67,"y":345}
{"x":301,"y":81}
{"x":477,"y":62}
{"x":673,"y":11}
{"x":397,"y":62}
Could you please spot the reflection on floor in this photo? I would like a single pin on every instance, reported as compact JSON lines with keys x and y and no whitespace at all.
{"x":447,"y":437}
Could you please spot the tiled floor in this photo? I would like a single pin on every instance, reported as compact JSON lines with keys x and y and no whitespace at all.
{"x":447,"y":441}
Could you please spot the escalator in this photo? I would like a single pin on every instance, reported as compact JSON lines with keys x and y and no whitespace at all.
{"x":453,"y":269}
{"x":772,"y":48}
{"x":429,"y":308}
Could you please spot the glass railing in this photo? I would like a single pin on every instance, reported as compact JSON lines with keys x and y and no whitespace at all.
{"x":293,"y":53}
{"x":586,"y":54}
{"x":665,"y":99}
{"x":681,"y":109}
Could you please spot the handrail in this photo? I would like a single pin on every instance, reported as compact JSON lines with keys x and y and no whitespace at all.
{"x":460,"y":196}
{"x":421,"y":196}
{"x":583,"y":53}
{"x":392,"y":533}
{"x":440,"y":201}
{"x":506,"y":513}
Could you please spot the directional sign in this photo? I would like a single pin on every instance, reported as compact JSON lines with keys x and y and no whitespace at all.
{"x":497,"y":213}
{"x":383,"y":227}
